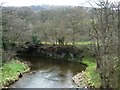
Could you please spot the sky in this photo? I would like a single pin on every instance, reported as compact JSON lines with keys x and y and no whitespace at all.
{"x":46,"y":2}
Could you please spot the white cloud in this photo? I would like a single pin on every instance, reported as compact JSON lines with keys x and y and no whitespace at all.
{"x":40,"y":2}
{"x":45,"y":2}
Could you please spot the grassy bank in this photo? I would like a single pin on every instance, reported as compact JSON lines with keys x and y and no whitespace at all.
{"x":91,"y":72}
{"x":70,"y":43}
{"x":11,"y":71}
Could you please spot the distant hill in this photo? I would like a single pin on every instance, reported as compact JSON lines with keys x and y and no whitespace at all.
{"x":41,"y":7}
{"x":49,"y":7}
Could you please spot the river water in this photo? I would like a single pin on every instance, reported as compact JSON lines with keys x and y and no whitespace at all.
{"x":49,"y":74}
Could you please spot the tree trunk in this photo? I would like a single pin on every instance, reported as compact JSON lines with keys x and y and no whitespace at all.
{"x":104,"y":82}
{"x":119,"y":44}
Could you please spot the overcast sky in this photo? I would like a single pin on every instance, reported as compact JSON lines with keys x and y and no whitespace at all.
{"x":46,"y":2}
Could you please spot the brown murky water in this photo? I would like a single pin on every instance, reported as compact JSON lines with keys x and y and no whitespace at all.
{"x":49,"y":74}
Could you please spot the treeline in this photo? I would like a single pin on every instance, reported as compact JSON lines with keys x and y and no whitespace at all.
{"x":66,"y":24}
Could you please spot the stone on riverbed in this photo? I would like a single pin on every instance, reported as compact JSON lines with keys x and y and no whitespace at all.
{"x":80,"y":79}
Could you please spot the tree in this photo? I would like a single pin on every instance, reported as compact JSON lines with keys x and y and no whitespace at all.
{"x":119,"y":43}
{"x":105,"y":34}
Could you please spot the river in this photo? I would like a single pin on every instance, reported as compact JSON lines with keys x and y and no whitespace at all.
{"x":49,"y":74}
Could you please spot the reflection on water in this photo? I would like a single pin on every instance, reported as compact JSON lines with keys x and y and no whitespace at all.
{"x":49,"y":74}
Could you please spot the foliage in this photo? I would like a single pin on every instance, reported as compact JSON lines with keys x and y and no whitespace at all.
{"x":19,"y":24}
{"x":35,"y":39}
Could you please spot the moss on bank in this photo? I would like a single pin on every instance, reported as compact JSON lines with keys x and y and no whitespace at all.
{"x":92,"y":73}
{"x":11,"y":71}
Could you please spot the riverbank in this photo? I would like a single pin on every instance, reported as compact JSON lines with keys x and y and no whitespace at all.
{"x":11,"y":71}
{"x":67,"y":52}
{"x":89,"y":77}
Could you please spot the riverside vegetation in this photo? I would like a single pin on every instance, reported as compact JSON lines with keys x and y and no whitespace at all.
{"x":12,"y":71}
{"x":90,"y":77}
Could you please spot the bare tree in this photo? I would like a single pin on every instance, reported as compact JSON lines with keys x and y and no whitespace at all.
{"x":105,"y":34}
{"x":119,"y":43}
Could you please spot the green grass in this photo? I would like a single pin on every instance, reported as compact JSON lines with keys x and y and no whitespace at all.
{"x":91,"y":72}
{"x":11,"y":70}
{"x":84,"y":43}
{"x":76,"y":43}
